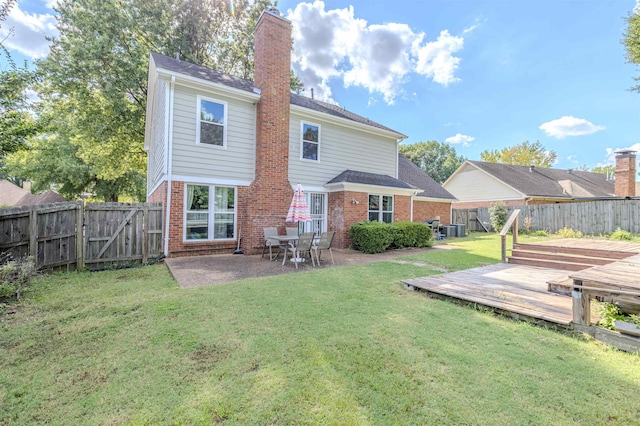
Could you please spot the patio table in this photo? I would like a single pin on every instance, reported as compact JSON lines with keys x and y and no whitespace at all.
{"x":288,"y":240}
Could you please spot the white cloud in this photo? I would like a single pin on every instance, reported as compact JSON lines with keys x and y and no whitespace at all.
{"x":27,"y":31}
{"x":573,"y":159}
{"x":460,"y":139}
{"x":569,"y":126}
{"x":334,"y":44}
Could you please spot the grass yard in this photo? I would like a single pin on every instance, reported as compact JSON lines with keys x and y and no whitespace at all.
{"x":345,"y":345}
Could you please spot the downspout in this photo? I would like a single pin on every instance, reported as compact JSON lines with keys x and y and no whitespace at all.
{"x":411,"y":210}
{"x":170,"y":166}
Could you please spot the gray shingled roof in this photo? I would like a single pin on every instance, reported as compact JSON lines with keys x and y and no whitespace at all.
{"x":413,"y":175}
{"x":207,"y":74}
{"x":547,"y":182}
{"x":353,"y":176}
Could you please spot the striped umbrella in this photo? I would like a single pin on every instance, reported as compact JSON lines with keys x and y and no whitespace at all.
{"x":299,"y":210}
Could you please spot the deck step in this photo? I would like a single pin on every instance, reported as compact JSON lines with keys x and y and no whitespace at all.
{"x":590,"y":252}
{"x":547,"y":263}
{"x":565,"y":257}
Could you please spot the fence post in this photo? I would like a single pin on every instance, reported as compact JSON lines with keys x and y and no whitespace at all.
{"x":33,"y":235}
{"x":80,"y":236}
{"x":145,"y":233}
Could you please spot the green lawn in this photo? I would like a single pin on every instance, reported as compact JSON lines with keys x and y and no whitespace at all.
{"x":343,"y":345}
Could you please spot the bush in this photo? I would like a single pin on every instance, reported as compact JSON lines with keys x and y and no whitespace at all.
{"x":541,"y":233}
{"x":621,"y":235}
{"x":411,"y":234}
{"x":371,"y":237}
{"x":498,"y":215}
{"x":15,"y":277}
{"x":569,"y":233}
{"x":377,"y":237}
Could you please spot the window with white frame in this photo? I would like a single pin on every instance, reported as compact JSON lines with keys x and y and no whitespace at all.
{"x":381,"y":208}
{"x":209,"y":212}
{"x":310,"y":149}
{"x":212,"y":122}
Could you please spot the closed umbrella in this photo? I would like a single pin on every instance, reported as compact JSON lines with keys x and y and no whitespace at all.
{"x":299,"y":210}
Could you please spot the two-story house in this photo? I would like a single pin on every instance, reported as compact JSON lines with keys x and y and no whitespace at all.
{"x":224,"y":155}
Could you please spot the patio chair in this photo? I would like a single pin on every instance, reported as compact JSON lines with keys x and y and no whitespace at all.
{"x":435,"y":228}
{"x":271,"y":232}
{"x":305,"y":242}
{"x":324,"y":244}
{"x":292,"y":232}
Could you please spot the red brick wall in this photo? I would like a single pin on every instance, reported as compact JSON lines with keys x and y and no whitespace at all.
{"x":343,"y":212}
{"x":424,"y":210}
{"x":401,"y":208}
{"x":267,"y":200}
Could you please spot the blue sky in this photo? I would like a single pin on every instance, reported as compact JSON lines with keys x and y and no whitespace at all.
{"x":479,"y":74}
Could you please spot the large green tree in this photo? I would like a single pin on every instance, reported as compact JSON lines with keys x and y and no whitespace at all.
{"x":438,"y":160}
{"x":631,"y":41}
{"x":523,"y":154}
{"x":94,"y":83}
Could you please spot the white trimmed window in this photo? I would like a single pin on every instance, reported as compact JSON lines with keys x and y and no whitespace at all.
{"x":381,"y":208}
{"x":209,"y":213}
{"x":212,"y":122}
{"x":310,"y":142}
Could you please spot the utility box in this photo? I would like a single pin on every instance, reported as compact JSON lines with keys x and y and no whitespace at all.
{"x":449,"y":231}
{"x":461,"y":229}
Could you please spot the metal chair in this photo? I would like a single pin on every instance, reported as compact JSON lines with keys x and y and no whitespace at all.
{"x":324,"y":244}
{"x":271,"y":232}
{"x":292,"y":232}
{"x":435,"y":228}
{"x":305,"y":242}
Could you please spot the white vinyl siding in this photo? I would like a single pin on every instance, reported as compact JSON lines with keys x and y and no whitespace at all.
{"x":236,"y":162}
{"x":342,"y":148}
{"x":157,"y":162}
{"x":471,"y":184}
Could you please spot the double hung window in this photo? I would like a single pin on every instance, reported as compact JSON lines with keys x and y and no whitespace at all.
{"x":212,"y":122}
{"x":310,"y":149}
{"x":381,"y":208}
{"x":210,"y":212}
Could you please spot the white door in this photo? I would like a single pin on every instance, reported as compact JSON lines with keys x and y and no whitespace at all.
{"x":317,"y":202}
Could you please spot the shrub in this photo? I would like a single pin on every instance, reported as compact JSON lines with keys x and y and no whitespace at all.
{"x":621,"y":235}
{"x":569,"y":233}
{"x":371,"y":237}
{"x":411,"y":234}
{"x":498,"y":215}
{"x":15,"y":277}
{"x":541,"y":233}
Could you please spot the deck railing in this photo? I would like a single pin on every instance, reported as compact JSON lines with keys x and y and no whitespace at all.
{"x":511,"y":222}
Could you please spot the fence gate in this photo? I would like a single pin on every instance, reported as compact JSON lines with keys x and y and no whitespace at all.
{"x":122,"y":231}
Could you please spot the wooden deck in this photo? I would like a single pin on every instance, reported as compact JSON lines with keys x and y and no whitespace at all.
{"x":591,"y":244}
{"x":516,"y":290}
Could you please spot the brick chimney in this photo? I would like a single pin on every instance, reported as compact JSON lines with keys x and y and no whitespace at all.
{"x":625,"y":173}
{"x":268,"y":197}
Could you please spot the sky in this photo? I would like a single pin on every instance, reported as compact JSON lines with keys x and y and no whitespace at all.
{"x":477,"y":74}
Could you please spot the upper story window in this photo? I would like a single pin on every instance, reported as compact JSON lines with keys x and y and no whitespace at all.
{"x":212,"y":122}
{"x":381,"y":208}
{"x":310,"y":149}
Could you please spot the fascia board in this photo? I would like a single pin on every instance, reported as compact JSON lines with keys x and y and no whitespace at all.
{"x":374,"y":189}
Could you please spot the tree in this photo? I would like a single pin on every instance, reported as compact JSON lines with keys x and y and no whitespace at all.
{"x":94,"y":81}
{"x":631,"y":41}
{"x":523,"y":154}
{"x":438,"y":160}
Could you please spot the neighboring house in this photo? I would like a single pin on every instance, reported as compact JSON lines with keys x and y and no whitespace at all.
{"x":14,"y":196}
{"x":479,"y":184}
{"x":225,"y":153}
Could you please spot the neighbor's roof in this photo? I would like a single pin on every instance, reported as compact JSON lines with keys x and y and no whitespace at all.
{"x":410,"y":173}
{"x":13,"y":195}
{"x":365,"y":178}
{"x":210,"y":75}
{"x":548,"y":182}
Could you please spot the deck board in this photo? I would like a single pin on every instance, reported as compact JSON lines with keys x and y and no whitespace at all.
{"x":515,"y":288}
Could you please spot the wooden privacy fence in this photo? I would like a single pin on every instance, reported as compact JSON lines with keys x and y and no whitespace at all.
{"x":591,"y":217}
{"x":72,"y":235}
